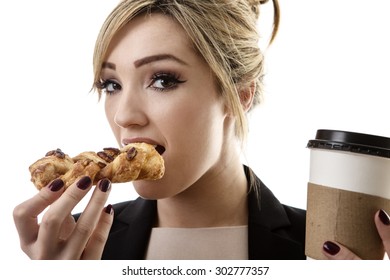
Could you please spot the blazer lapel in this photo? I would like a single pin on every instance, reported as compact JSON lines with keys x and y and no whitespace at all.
{"x":268,"y":225}
{"x":130,"y":236}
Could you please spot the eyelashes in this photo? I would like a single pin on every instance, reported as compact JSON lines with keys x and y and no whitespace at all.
{"x":163,"y":81}
{"x":108,"y":87}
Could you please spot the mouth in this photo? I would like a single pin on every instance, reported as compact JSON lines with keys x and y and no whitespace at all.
{"x":160,"y":149}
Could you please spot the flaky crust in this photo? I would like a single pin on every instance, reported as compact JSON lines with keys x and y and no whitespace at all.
{"x":136,"y":161}
{"x":52,"y":166}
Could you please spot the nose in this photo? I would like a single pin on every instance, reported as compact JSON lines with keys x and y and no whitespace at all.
{"x":130,"y":111}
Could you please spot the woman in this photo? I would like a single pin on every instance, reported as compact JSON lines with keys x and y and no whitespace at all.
{"x":180,"y":75}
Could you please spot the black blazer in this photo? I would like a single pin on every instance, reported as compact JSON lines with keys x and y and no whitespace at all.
{"x":275,"y":231}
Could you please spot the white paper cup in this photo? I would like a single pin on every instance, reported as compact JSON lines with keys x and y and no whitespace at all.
{"x":349,"y":182}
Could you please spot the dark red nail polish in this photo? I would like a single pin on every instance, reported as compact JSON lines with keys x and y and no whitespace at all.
{"x":56,"y":185}
{"x":108,"y":209}
{"x":331,"y":248}
{"x":384,"y":217}
{"x":84,"y":183}
{"x":104,"y":185}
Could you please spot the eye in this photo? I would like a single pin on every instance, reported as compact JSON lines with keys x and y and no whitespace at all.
{"x":109,"y":87}
{"x":165,"y":81}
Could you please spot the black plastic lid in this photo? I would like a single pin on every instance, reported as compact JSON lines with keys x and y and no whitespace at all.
{"x":351,"y":142}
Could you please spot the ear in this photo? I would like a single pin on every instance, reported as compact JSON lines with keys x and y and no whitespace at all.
{"x":247,"y":95}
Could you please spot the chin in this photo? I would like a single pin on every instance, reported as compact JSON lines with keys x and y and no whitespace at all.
{"x":150,"y":190}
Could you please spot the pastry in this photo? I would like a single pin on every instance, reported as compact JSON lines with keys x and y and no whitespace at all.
{"x":136,"y":161}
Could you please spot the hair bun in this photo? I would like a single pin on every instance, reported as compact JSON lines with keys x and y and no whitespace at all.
{"x":255,"y":6}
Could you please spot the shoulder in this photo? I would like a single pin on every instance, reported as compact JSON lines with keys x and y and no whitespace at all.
{"x":121,"y":206}
{"x":262,"y":201}
{"x":297,"y":227}
{"x":134,"y":210}
{"x":130,"y":231}
{"x":278,"y":230}
{"x":268,"y":211}
{"x":295,"y":214}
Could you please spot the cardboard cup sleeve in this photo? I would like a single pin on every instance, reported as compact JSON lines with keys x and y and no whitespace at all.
{"x":346,"y":217}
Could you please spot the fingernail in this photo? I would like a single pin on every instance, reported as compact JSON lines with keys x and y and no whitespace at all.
{"x":384,"y":217}
{"x":108,"y":209}
{"x":56,"y":185}
{"x":104,"y":185}
{"x":331,"y":248}
{"x":84,"y":183}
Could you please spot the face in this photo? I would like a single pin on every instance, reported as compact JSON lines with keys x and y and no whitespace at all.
{"x":160,"y":91}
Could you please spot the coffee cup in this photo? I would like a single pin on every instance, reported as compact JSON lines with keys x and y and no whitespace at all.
{"x":349,"y":182}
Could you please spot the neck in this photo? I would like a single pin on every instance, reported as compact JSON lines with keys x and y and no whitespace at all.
{"x":218,"y":198}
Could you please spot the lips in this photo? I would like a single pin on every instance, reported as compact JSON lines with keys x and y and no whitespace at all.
{"x":159,"y":148}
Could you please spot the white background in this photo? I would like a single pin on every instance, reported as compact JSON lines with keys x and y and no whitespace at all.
{"x":328,"y":68}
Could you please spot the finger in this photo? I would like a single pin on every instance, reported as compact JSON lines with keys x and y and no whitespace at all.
{"x":52,"y":220}
{"x":382,"y":222}
{"x":336,"y":251}
{"x":88,"y":220}
{"x":96,"y":243}
{"x":26,"y":214}
{"x":67,"y":227}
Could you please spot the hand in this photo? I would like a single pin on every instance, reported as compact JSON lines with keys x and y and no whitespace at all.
{"x":59,"y":236}
{"x":336,"y":251}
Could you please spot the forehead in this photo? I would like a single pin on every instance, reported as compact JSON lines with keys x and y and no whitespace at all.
{"x":147,"y":34}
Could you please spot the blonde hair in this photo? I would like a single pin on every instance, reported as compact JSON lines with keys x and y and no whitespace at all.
{"x":224,"y":33}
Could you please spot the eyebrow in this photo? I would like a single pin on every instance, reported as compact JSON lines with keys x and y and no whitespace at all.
{"x":109,"y":65}
{"x":145,"y":60}
{"x":153,"y":58}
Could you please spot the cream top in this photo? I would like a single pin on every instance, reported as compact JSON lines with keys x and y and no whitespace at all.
{"x":219,"y":243}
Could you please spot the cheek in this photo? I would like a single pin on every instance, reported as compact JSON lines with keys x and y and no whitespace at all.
{"x":195,"y":131}
{"x":110,"y":109}
{"x":184,"y":123}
